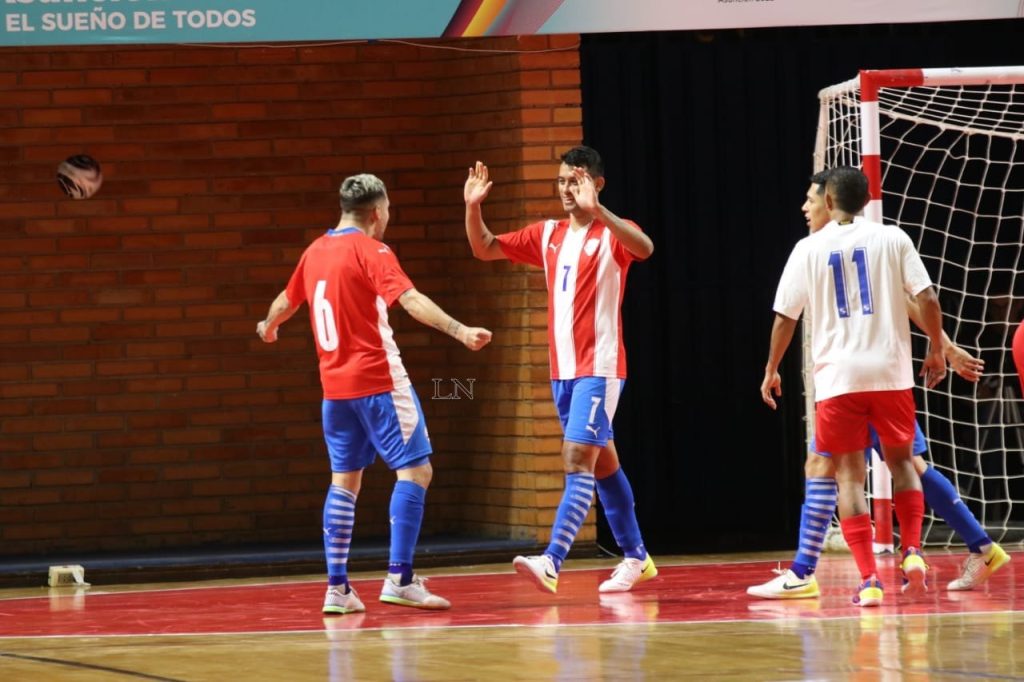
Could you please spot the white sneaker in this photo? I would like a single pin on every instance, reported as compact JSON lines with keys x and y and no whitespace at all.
{"x":978,"y":568}
{"x":336,"y":601}
{"x":539,"y":569}
{"x":786,"y":586}
{"x":628,"y":573}
{"x":415,"y":594}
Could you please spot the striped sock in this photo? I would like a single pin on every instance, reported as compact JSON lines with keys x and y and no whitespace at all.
{"x":820,"y":495}
{"x":572,"y":512}
{"x":339,"y":518}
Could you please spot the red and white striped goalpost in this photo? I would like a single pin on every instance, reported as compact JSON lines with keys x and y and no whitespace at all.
{"x":869,"y":83}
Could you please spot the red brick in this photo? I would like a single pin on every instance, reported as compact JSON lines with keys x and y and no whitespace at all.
{"x":160,"y":385}
{"x":64,"y":370}
{"x":115,"y":76}
{"x":52,"y":79}
{"x":82,"y":96}
{"x":151,"y":313}
{"x":158,"y":420}
{"x":125,"y":368}
{"x":63,"y":477}
{"x":95,"y":423}
{"x":129,"y":439}
{"x":51,"y":117}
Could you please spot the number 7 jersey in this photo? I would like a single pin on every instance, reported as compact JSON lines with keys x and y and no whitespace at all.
{"x":349,"y":281}
{"x":852,"y":280}
{"x":585,"y":271}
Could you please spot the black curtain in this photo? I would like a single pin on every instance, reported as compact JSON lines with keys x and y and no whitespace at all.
{"x":708,"y":139}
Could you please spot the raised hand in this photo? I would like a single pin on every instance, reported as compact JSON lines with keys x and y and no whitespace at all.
{"x":583,"y":191}
{"x":477,"y":185}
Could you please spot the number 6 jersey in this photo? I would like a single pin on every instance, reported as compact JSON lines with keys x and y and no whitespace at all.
{"x":349,"y":281}
{"x":851,"y":280}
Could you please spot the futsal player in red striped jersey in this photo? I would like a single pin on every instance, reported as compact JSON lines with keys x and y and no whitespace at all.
{"x":349,"y":278}
{"x":585,"y":257}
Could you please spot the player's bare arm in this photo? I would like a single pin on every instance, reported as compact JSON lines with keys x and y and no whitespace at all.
{"x":280,"y":310}
{"x":586,"y":195}
{"x":782,"y":334}
{"x":484,"y":244}
{"x":962,"y":362}
{"x":934,"y":367}
{"x":425,"y":311}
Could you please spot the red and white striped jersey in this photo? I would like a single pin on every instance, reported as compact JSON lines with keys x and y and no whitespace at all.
{"x":350,"y":280}
{"x":586,"y":276}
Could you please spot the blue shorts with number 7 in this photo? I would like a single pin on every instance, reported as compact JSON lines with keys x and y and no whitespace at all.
{"x":586,"y":407}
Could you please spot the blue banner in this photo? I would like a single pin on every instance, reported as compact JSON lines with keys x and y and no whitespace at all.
{"x":83,"y":22}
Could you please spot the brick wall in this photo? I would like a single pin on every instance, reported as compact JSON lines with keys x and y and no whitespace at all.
{"x":139,"y":408}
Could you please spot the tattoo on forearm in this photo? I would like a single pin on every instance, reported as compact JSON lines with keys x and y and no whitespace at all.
{"x":453,"y":329}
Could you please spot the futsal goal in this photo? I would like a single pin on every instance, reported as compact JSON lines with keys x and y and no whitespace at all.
{"x":943,"y":150}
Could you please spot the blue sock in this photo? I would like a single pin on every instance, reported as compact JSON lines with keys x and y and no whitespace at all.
{"x":820,"y":498}
{"x":406,"y":518}
{"x":617,"y":500}
{"x":339,"y":517}
{"x":572,"y":512}
{"x":943,"y":498}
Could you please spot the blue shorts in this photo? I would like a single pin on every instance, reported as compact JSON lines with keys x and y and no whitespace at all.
{"x":586,"y":407}
{"x":919,"y":447}
{"x":391,"y":424}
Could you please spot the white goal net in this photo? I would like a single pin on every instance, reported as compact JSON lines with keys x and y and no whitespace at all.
{"x":944,"y":149}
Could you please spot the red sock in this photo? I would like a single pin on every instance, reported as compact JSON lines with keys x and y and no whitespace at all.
{"x":858,"y":535}
{"x":910,"y":512}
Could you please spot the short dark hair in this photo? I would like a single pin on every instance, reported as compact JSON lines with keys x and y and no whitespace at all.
{"x":359,"y":192}
{"x":848,"y":187}
{"x":821,"y":179}
{"x":586,"y":158}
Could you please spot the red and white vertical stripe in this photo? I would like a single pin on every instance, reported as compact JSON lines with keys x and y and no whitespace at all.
{"x":585,"y":288}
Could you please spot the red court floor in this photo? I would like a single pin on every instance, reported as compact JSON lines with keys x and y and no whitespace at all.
{"x":689,"y":593}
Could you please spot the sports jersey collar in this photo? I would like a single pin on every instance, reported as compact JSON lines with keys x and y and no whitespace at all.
{"x":339,"y":231}
{"x":583,"y":228}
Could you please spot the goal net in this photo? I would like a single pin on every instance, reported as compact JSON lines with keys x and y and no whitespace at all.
{"x":943,"y":150}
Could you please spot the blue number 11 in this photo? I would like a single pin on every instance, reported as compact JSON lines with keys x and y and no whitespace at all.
{"x":860,"y":259}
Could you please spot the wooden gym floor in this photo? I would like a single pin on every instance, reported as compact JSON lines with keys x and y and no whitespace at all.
{"x":694,"y":622}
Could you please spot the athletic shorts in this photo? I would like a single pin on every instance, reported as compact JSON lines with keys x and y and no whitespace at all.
{"x":586,"y":407}
{"x":919,"y":448}
{"x":841,"y":423}
{"x":391,"y":423}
